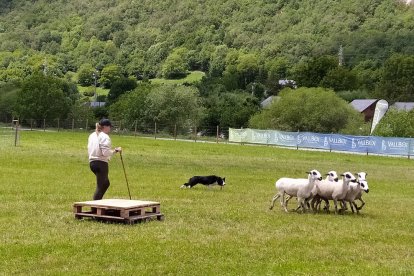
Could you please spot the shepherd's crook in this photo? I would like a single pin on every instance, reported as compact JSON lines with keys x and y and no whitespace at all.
{"x":126,"y":179}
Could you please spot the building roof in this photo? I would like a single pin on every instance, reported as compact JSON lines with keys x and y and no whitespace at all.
{"x":268,"y":101}
{"x":97,"y":104}
{"x":362,"y":104}
{"x":407,"y":106}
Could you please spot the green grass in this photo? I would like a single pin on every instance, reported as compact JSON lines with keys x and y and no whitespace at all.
{"x":205,"y":232}
{"x":193,"y":77}
{"x":99,"y":90}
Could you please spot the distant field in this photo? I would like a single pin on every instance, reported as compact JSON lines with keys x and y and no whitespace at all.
{"x":205,"y":232}
{"x":99,"y":90}
{"x":194,"y":76}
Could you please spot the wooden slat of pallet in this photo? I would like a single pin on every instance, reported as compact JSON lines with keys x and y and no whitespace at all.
{"x":96,"y":216}
{"x":120,"y":203}
{"x":129,"y":219}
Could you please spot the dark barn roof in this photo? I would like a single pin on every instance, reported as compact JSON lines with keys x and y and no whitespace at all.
{"x":362,"y":105}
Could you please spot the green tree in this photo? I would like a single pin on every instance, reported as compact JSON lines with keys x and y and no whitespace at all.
{"x":218,"y":61}
{"x":230,"y":109}
{"x":340,"y":79}
{"x":169,"y":105}
{"x":396,"y":124}
{"x":86,"y":75}
{"x":132,"y":107}
{"x":397,"y":80}
{"x":8,"y":98}
{"x":43,"y":97}
{"x":119,"y":87}
{"x":310,"y":73}
{"x":248,"y":68}
{"x":308,"y":109}
{"x":110,"y":74}
{"x":176,"y":65}
{"x":81,"y":110}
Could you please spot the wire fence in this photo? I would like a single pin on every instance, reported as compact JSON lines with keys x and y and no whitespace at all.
{"x":172,"y":131}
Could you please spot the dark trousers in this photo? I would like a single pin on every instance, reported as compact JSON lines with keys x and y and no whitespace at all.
{"x":100,"y":169}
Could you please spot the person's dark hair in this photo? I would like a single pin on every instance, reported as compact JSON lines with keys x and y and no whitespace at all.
{"x":105,"y":122}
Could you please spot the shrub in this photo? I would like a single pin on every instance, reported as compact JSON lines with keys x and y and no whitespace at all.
{"x":308,"y":109}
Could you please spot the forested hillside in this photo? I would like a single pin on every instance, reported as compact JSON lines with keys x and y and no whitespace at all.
{"x":241,"y":45}
{"x":139,"y":35}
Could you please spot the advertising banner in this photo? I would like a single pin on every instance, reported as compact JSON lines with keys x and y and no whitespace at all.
{"x":283,"y":138}
{"x":336,"y":142}
{"x":395,"y":146}
{"x":312,"y":140}
{"x":380,"y":109}
{"x":339,"y":142}
{"x":368,"y":144}
{"x":237,"y":135}
{"x":260,"y":136}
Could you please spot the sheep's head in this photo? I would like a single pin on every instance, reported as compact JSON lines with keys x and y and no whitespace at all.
{"x":364,"y":185}
{"x":348,"y":177}
{"x":332,"y":176}
{"x":314,"y":175}
{"x":362,"y":175}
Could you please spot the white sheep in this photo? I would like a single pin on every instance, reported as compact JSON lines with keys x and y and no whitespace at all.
{"x":361,"y":178}
{"x":355,"y":192}
{"x":295,"y":187}
{"x":335,"y":191}
{"x":331,"y":176}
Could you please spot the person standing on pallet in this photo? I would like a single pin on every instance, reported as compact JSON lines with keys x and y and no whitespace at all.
{"x":100,"y":152}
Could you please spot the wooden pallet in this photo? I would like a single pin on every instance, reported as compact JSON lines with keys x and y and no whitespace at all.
{"x":121,"y":210}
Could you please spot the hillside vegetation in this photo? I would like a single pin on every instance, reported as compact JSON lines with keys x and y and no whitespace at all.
{"x":139,"y":35}
{"x":243,"y":47}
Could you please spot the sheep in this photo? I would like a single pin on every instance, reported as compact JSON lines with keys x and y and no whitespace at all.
{"x":335,"y":191}
{"x":297,"y":187}
{"x":331,"y":176}
{"x":355,"y":192}
{"x":364,"y":185}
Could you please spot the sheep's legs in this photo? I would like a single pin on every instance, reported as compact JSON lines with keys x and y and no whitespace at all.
{"x":344,"y":205}
{"x":283,"y":202}
{"x":355,"y":205}
{"x":326,"y":207}
{"x":352,"y":207}
{"x":301,"y":204}
{"x":273,"y":201}
{"x":336,"y":206}
{"x":314,"y":201}
{"x":289,"y":197}
{"x":362,"y":205}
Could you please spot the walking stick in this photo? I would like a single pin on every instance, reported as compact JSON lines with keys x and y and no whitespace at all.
{"x":126,"y":179}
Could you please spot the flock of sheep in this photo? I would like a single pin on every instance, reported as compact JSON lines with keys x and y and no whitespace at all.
{"x":312,"y":191}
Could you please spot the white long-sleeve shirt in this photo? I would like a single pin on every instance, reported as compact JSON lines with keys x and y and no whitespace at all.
{"x":99,"y":147}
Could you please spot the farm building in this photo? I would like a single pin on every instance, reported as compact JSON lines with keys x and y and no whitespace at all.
{"x":365,"y":106}
{"x":406,"y":106}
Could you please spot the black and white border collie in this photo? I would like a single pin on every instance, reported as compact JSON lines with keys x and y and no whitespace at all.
{"x":205,"y":180}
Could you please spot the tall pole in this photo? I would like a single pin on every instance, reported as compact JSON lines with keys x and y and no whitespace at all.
{"x":341,"y":56}
{"x":94,"y":94}
{"x":126,"y":179}
{"x":16,"y":132}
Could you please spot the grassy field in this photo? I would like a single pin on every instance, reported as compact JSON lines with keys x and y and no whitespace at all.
{"x":99,"y":90}
{"x":194,"y":76}
{"x":206,"y":231}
